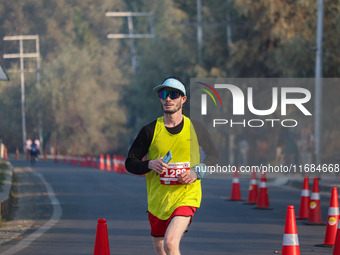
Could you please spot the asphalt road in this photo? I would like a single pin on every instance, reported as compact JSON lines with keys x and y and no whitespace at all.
{"x":72,"y":199}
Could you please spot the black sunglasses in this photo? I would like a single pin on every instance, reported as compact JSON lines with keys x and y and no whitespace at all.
{"x":171,"y":93}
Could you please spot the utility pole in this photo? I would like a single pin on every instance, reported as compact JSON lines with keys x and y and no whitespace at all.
{"x":199,"y":30}
{"x":131,"y":35}
{"x":21,"y":56}
{"x":318,"y":83}
{"x":37,"y":49}
{"x":228,"y":27}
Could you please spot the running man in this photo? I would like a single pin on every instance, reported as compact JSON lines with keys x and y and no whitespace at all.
{"x":174,"y":188}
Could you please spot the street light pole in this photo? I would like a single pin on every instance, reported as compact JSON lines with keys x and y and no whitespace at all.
{"x":318,"y":83}
{"x":228,"y":27}
{"x":131,"y":35}
{"x":199,"y":30}
{"x":37,"y":49}
{"x":21,"y":56}
{"x":22,"y":82}
{"x":132,"y":45}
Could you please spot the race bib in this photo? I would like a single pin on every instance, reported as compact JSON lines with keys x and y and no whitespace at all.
{"x":170,"y":175}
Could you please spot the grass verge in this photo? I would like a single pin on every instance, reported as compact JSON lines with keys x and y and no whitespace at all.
{"x":3,"y":168}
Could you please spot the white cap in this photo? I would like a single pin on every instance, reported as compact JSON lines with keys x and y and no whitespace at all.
{"x":171,"y":83}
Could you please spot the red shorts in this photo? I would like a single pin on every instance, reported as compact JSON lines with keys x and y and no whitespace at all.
{"x":159,"y":227}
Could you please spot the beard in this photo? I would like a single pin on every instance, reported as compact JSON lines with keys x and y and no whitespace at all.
{"x":176,"y":108}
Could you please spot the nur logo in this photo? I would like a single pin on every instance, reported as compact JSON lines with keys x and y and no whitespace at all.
{"x":281,"y":98}
{"x":239,"y":99}
{"x":204,"y":97}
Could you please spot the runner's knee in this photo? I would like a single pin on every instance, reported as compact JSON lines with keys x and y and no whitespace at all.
{"x":171,"y":244}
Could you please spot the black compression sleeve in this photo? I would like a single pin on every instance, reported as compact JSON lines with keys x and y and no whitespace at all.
{"x":205,"y":141}
{"x":139,"y":149}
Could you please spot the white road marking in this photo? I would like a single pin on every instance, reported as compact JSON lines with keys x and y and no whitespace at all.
{"x":57,"y":213}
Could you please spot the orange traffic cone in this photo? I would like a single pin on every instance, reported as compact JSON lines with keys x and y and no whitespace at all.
{"x":332,"y":221}
{"x":336,"y":250}
{"x":17,"y":154}
{"x":108,"y":163}
{"x":5,"y":153}
{"x":235,"y":188}
{"x":45,"y":155}
{"x":119,"y":164}
{"x":115,"y":163}
{"x":55,"y":157}
{"x":252,"y":194}
{"x":101,"y":245}
{"x":94,"y":161}
{"x":101,"y":162}
{"x":314,"y":217}
{"x":263,"y":200}
{"x":290,"y":243}
{"x":124,"y":171}
{"x":84,"y":160}
{"x":305,"y":200}
{"x":77,"y":160}
{"x":88,"y":160}
{"x":81,"y":161}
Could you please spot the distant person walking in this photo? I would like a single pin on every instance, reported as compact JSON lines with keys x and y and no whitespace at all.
{"x":291,"y":151}
{"x":37,"y":142}
{"x":174,"y":188}
{"x":34,"y":152}
{"x":262,"y":149}
{"x":28,"y":148}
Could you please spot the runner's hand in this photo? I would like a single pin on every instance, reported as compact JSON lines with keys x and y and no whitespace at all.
{"x":187,"y":177}
{"x":158,"y":165}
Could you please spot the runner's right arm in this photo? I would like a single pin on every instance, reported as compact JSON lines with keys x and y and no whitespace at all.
{"x":134,"y":162}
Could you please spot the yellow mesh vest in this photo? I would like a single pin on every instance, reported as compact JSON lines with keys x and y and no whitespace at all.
{"x":164,"y":199}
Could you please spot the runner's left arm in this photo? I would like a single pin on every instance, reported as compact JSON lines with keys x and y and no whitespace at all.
{"x":206,"y":143}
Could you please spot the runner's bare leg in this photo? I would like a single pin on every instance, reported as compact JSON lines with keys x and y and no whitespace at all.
{"x":158,"y":243}
{"x":174,"y":233}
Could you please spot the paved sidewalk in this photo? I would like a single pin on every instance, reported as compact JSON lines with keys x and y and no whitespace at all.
{"x":325,"y":183}
{"x":26,"y":210}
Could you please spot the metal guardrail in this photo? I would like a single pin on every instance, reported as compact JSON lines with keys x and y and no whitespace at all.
{"x":5,"y":192}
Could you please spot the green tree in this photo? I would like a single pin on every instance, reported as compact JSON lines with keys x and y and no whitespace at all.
{"x":82,"y":74}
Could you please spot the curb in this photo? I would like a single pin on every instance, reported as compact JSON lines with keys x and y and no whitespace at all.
{"x":5,"y":192}
{"x":323,"y":187}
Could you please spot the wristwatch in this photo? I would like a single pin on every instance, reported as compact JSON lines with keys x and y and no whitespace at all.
{"x":200,"y":170}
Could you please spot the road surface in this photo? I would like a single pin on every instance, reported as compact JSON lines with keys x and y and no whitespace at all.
{"x":69,"y":200}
